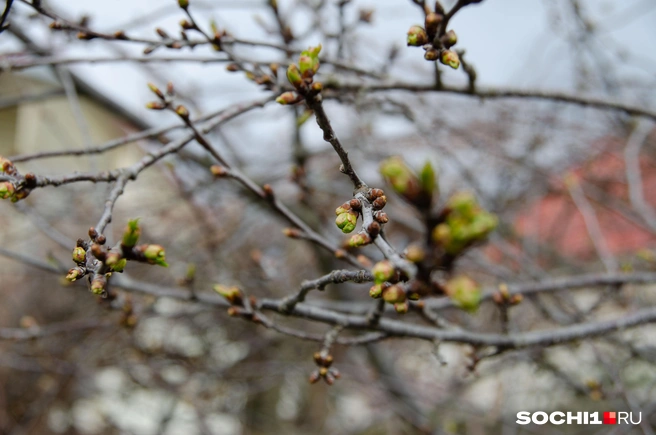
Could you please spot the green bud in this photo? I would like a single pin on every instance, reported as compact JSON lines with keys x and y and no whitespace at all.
{"x":132,"y":233}
{"x":74,"y":274}
{"x":119,"y":266}
{"x":184,"y":4}
{"x":417,"y":36}
{"x":402,"y":307}
{"x":231,"y":294}
{"x":346,"y":222}
{"x":358,"y":240}
{"x":450,"y":39}
{"x":376,"y":291}
{"x":464,"y":292}
{"x":98,"y":285}
{"x":155,"y":254}
{"x":79,"y":255}
{"x":294,"y":76}
{"x":405,"y":182}
{"x":394,"y":294}
{"x":427,"y":180}
{"x":287,"y":98}
{"x":7,"y":190}
{"x":305,"y":64}
{"x":383,"y":271}
{"x":450,"y":58}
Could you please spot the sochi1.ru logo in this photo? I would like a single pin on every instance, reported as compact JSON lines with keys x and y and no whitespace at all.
{"x":558,"y":417}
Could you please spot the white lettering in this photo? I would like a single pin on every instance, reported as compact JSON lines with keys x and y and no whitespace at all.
{"x":540,"y":417}
{"x":553,"y":420}
{"x":523,"y":417}
{"x":578,"y":418}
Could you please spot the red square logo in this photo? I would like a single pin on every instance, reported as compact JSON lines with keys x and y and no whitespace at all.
{"x":610,"y":418}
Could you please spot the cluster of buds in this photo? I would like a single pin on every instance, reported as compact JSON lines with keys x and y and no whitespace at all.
{"x":324,"y":361}
{"x":427,"y":37}
{"x":418,"y":189}
{"x":464,"y":292}
{"x":464,"y":222}
{"x":15,"y":191}
{"x":387,"y":286}
{"x":301,"y":77}
{"x":164,"y":98}
{"x":504,"y":298}
{"x":145,"y":253}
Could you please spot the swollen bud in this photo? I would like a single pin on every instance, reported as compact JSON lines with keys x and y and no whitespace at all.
{"x":98,"y":285}
{"x":449,"y":39}
{"x":294,"y":76}
{"x":346,"y":222}
{"x":155,"y":90}
{"x":464,"y":292}
{"x":131,"y":234}
{"x":450,"y":58}
{"x":7,"y":190}
{"x":155,"y":254}
{"x":376,"y":291}
{"x":184,"y":4}
{"x":402,"y":307}
{"x":394,"y":294}
{"x":74,"y":274}
{"x":231,"y":294}
{"x":182,"y":111}
{"x":358,"y":240}
{"x":432,"y":54}
{"x":382,"y":271}
{"x":79,"y":255}
{"x":288,"y":98}
{"x":417,"y":36}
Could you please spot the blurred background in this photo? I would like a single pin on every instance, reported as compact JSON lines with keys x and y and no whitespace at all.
{"x":164,"y":366}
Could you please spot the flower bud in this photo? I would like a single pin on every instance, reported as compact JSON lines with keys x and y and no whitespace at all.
{"x":394,"y":294}
{"x":232,"y":67}
{"x":381,"y":217}
{"x":218,"y":171}
{"x":231,"y":294}
{"x":288,"y":98}
{"x":432,"y":21}
{"x":449,"y":39}
{"x":405,"y":182}
{"x":6,"y":166}
{"x":464,"y":292}
{"x":383,"y":271}
{"x":155,"y":254}
{"x":292,"y":233}
{"x":305,"y":65}
{"x":131,"y":234}
{"x":346,"y":222}
{"x":344,"y":208}
{"x":155,"y":105}
{"x":432,"y":54}
{"x":155,"y":90}
{"x":182,"y":111}
{"x":415,"y":253}
{"x":98,"y":285}
{"x":112,"y":258}
{"x":74,"y":274}
{"x":402,"y":307}
{"x":358,"y":240}
{"x":417,"y":36}
{"x":294,"y":76}
{"x":376,"y":291}
{"x":184,"y":4}
{"x":79,"y":255}
{"x":7,"y":190}
{"x":450,"y":58}
{"x":379,"y":203}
